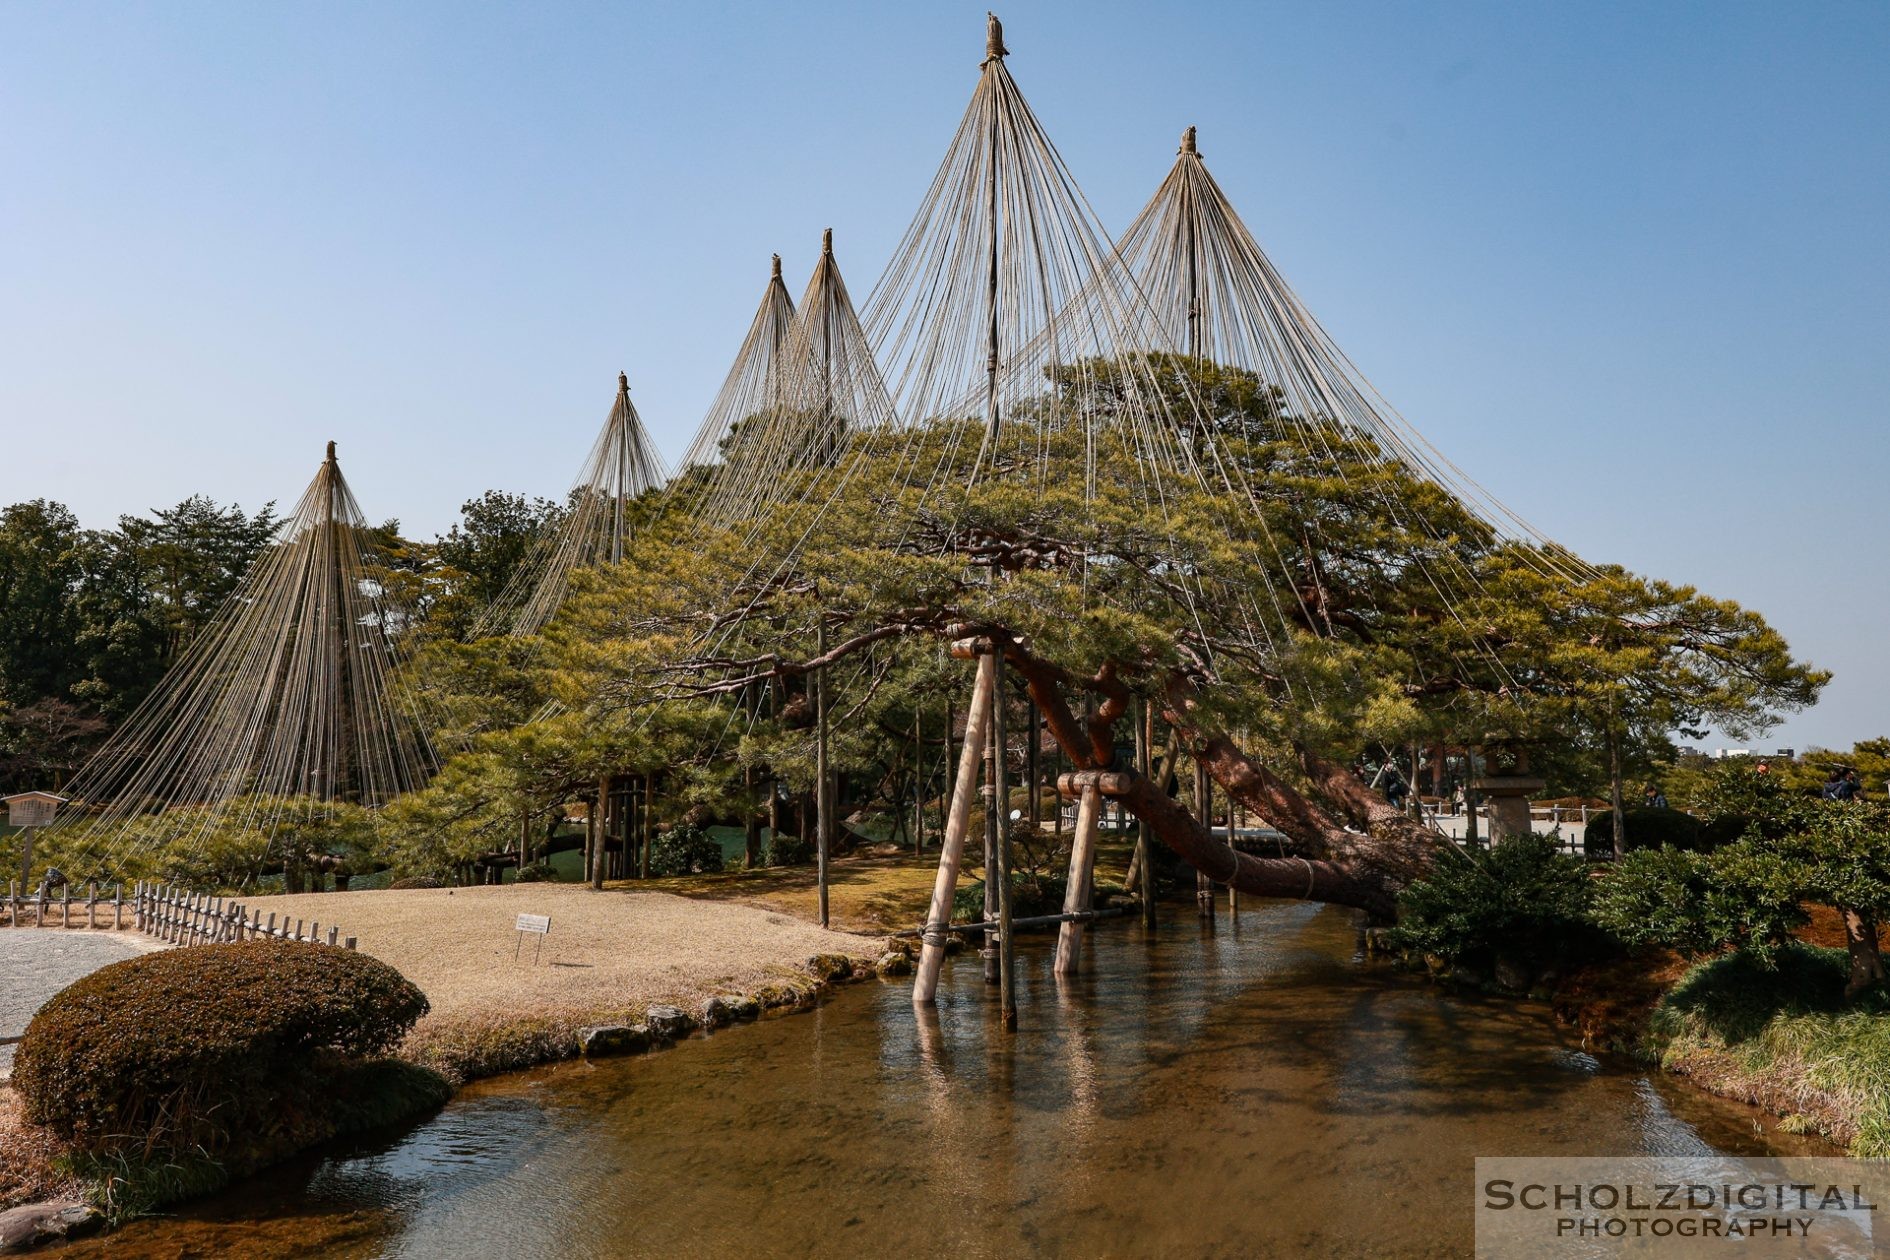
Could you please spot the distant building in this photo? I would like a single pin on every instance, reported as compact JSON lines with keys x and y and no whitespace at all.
{"x":1782,"y":754}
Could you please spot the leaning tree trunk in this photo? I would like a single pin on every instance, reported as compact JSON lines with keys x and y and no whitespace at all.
{"x":1860,"y":941}
{"x":1363,"y":864}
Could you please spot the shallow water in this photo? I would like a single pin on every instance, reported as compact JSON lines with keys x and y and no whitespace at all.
{"x":1248,"y":1090}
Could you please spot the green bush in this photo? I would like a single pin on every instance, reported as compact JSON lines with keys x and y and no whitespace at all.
{"x":1648,"y":829}
{"x":784,"y":848}
{"x":237,"y":1053}
{"x":536,"y":873}
{"x":1699,"y":903}
{"x":1522,"y":905}
{"x":685,"y":849}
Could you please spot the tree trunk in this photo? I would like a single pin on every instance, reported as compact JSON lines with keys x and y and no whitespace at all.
{"x":1860,"y":939}
{"x":751,"y":822}
{"x":1616,"y":794}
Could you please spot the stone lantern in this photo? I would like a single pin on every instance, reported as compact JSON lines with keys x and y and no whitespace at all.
{"x":1505,"y":789}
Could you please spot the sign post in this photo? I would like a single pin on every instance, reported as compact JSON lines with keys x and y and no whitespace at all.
{"x":27,"y":811}
{"x":538,"y":925}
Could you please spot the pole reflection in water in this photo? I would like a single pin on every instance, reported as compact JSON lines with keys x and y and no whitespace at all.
{"x":1258,"y":1091}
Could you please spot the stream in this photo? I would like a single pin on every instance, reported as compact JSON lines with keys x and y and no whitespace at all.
{"x":1254,"y":1088}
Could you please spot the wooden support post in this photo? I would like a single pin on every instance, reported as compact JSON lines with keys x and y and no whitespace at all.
{"x":1204,"y":808}
{"x":649,"y":825}
{"x":952,"y":848}
{"x":118,"y":907}
{"x":1144,"y":848}
{"x":823,"y":785}
{"x":1033,"y":767}
{"x":918,"y":783}
{"x":65,"y":905}
{"x":1007,"y":954}
{"x":600,"y":838}
{"x":1078,"y":891}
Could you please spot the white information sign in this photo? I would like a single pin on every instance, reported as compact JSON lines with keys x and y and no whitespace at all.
{"x":538,"y":925}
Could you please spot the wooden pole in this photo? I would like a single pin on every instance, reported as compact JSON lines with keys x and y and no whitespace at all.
{"x":1204,"y":806}
{"x":1080,"y":888}
{"x":918,"y":782}
{"x":952,"y":848}
{"x":989,"y":954}
{"x":600,"y":842}
{"x":823,"y":786}
{"x":1033,"y":756}
{"x":1007,"y":955}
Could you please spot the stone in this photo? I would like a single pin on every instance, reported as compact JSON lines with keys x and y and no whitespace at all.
{"x":716,"y":1012}
{"x":22,"y":1228}
{"x":603,"y":1040}
{"x":744,"y":1007}
{"x":667,"y":1023}
{"x":1511,"y":974}
{"x":830,"y":968}
{"x":893,"y":964}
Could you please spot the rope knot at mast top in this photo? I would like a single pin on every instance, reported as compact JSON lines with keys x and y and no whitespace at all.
{"x":1187,"y":143}
{"x":993,"y":38}
{"x":777,"y":266}
{"x":331,"y":450}
{"x":826,"y":243}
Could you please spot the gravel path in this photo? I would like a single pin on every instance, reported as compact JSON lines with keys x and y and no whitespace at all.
{"x":36,"y":963}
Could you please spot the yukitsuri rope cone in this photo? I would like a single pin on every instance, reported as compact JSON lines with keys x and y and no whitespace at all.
{"x":623,"y":466}
{"x":284,"y":705}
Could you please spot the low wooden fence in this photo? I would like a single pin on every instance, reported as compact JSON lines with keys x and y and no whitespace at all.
{"x":186,"y":918}
{"x":170,"y":914}
{"x":43,"y":907}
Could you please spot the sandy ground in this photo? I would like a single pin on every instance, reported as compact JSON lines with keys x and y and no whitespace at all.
{"x":36,"y":963}
{"x":604,"y":950}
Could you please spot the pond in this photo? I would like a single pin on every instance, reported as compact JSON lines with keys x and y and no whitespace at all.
{"x":1251,"y":1088}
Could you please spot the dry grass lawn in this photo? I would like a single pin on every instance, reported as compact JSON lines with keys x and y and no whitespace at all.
{"x":608,"y":956}
{"x":617,"y":948}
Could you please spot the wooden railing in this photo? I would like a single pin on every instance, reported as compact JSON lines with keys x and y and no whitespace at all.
{"x":42,"y":904}
{"x":186,"y":918}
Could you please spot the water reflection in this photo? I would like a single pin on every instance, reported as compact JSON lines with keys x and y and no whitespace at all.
{"x":1247,"y":1090}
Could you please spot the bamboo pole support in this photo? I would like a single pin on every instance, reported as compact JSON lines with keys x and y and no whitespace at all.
{"x":951,"y":851}
{"x":823,"y":785}
{"x":1007,"y":955}
{"x":1079,"y":889}
{"x":1204,"y":807}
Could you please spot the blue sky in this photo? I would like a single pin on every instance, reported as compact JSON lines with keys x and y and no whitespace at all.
{"x":1629,"y":265}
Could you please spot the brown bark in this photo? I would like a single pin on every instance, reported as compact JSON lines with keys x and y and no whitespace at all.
{"x":1860,"y":939}
{"x":1364,"y":869}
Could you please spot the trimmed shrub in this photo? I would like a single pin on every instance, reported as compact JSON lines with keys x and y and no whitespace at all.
{"x":786,"y":849}
{"x":536,"y":873}
{"x":1647,"y":829}
{"x":418,"y":881}
{"x":685,"y":849}
{"x":237,"y":1053}
{"x":1518,"y":908}
{"x":1700,"y":903}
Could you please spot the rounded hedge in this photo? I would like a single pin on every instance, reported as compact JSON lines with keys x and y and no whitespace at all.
{"x":1647,"y":829}
{"x":209,"y":1049}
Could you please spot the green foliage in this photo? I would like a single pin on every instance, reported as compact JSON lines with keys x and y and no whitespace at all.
{"x":785,"y":848}
{"x":1698,"y":903}
{"x":685,"y":849}
{"x":1522,"y":901}
{"x":227,"y":1051}
{"x":90,"y":619}
{"x":1646,"y":829}
{"x":536,"y":873}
